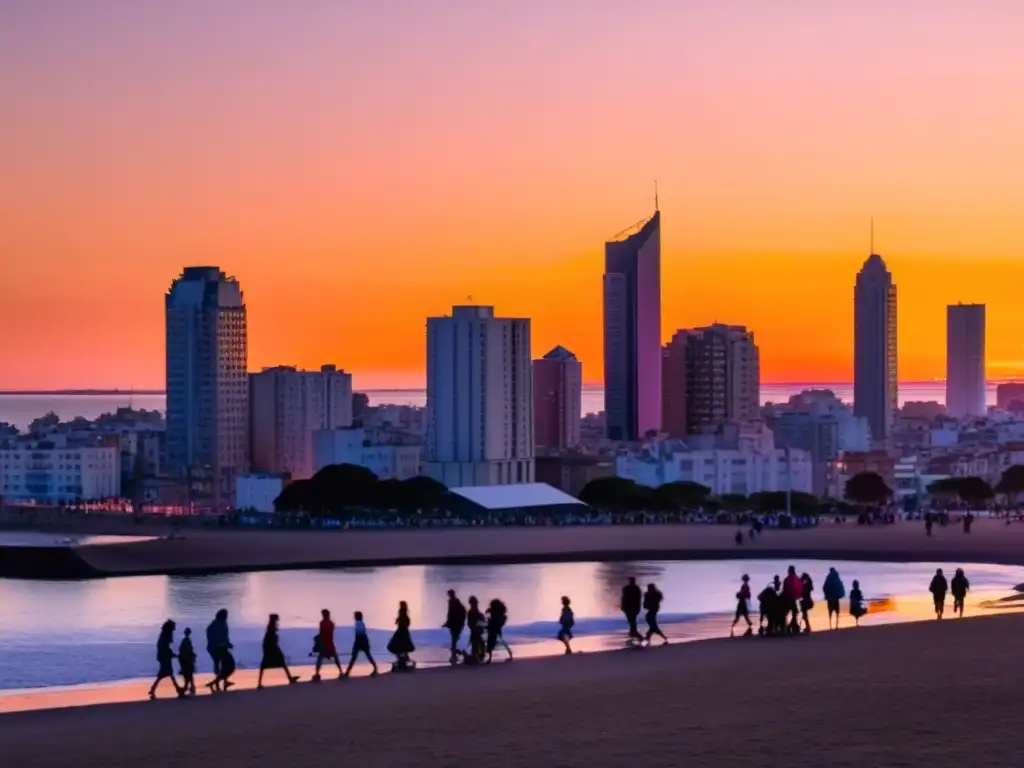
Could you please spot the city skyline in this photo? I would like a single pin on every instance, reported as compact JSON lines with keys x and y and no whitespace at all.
{"x":502,"y":174}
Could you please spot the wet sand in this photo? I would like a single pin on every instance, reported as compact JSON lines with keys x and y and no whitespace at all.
{"x":938,"y":694}
{"x":209,"y":551}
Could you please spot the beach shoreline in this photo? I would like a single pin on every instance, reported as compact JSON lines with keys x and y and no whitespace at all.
{"x":872,"y":696}
{"x":210,"y":551}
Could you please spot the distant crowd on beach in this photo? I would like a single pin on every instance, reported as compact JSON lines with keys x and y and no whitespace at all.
{"x":784,"y":607}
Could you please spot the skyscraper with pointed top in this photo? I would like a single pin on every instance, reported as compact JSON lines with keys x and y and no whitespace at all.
{"x":875,"y":360}
{"x":632,"y":332}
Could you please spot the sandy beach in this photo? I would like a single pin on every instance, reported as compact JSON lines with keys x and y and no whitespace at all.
{"x":937,"y":694}
{"x":208,"y":551}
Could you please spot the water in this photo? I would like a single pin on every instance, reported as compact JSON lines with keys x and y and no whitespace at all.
{"x":69,"y":633}
{"x":20,"y":410}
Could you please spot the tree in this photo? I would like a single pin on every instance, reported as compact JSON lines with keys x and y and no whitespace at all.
{"x":800,"y":503}
{"x":733,"y":502}
{"x":1012,"y":482}
{"x":867,"y":488}
{"x":683,"y":494}
{"x":970,"y":490}
{"x":620,"y":494}
{"x":345,"y":486}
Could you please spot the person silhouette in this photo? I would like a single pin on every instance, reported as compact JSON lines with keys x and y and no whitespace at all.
{"x":360,"y":644}
{"x":566,"y":621}
{"x":631,"y":602}
{"x":273,"y":656}
{"x":497,"y":618}
{"x":218,"y":645}
{"x":400,"y":645}
{"x":164,"y":657}
{"x":939,"y":587}
{"x":959,"y":587}
{"x":743,"y":607}
{"x":476,"y":622}
{"x":857,"y":606}
{"x":325,"y":644}
{"x":455,"y":622}
{"x":652,"y":606}
{"x":806,"y":599}
{"x":834,"y":591}
{"x":187,"y":663}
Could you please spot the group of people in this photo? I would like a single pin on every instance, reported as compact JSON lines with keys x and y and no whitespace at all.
{"x":784,"y":608}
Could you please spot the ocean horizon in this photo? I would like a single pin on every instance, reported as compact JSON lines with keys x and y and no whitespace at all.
{"x":21,"y":408}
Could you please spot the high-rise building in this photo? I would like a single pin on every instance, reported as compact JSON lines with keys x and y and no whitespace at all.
{"x":673,"y":386}
{"x":557,"y":400}
{"x":479,"y":399}
{"x":965,"y":360}
{"x":632,"y":333}
{"x":287,"y":406}
{"x":207,"y":384}
{"x":723,"y":376}
{"x":874,"y":347}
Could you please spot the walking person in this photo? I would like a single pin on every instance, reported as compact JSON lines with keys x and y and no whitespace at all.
{"x":218,"y":645}
{"x":939,"y":587}
{"x":959,"y":587}
{"x":187,"y":663}
{"x":455,"y":623}
{"x":497,"y":618}
{"x":164,"y":657}
{"x":743,"y":608}
{"x":400,"y":645}
{"x":273,"y":656}
{"x":360,"y":644}
{"x":566,"y":621}
{"x":476,"y":622}
{"x":632,"y":600}
{"x":652,"y":606}
{"x":834,"y":591}
{"x":806,"y":600}
{"x":325,"y":645}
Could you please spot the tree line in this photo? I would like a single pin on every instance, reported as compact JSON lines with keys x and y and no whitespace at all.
{"x":344,"y":487}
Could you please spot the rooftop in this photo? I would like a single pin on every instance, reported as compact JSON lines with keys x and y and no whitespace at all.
{"x":498,"y":497}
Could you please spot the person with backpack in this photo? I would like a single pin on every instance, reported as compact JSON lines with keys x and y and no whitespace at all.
{"x":652,"y":606}
{"x":834,"y":591}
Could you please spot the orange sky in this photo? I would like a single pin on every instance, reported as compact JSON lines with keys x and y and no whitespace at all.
{"x":361,"y":166}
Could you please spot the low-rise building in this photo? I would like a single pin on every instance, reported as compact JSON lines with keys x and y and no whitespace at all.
{"x":395,"y":460}
{"x":257,"y":492}
{"x":570,"y":472}
{"x":56,"y":470}
{"x":723,"y":470}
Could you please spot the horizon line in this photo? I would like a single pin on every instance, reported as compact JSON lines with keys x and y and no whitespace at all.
{"x":96,"y":391}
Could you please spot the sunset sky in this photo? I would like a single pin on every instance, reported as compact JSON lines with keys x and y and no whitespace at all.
{"x":361,"y":164}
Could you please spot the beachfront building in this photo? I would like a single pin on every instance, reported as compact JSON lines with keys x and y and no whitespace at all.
{"x":557,"y":400}
{"x":965,"y":361}
{"x":286,"y":407}
{"x":207,"y":384}
{"x":479,"y":399}
{"x":724,"y":470}
{"x":390,"y":456}
{"x":632,"y":332}
{"x":874,"y":347}
{"x":60,"y":470}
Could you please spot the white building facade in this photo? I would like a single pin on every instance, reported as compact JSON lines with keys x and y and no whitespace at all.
{"x":287,"y":406}
{"x":965,"y":360}
{"x":257,"y":492}
{"x":479,"y":399}
{"x":45,"y":471}
{"x":722,"y":470}
{"x":353,"y":446}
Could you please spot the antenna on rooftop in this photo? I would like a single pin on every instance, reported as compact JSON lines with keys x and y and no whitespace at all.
{"x":872,"y":236}
{"x":655,"y":195}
